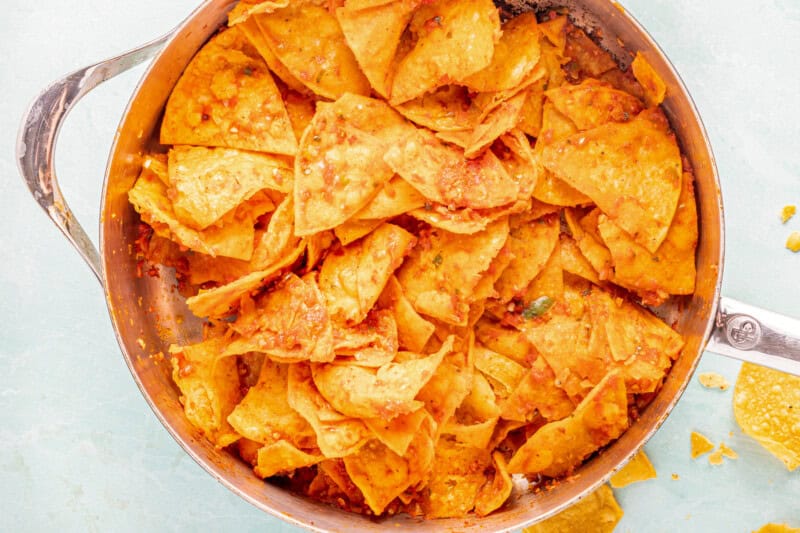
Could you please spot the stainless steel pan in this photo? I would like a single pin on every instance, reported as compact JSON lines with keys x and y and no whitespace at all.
{"x":148,"y":314}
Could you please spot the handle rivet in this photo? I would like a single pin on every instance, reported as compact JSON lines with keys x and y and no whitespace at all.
{"x":743,"y":332}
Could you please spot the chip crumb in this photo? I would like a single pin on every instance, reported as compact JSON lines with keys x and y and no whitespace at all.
{"x":140,"y":342}
{"x":700,"y":444}
{"x":712,"y":380}
{"x":777,"y":528}
{"x":788,"y":212}
{"x":715,"y":458}
{"x":675,"y":477}
{"x":727,"y":452}
{"x":793,"y":242}
{"x":638,"y":469}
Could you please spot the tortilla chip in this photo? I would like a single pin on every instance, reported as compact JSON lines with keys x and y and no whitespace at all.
{"x":515,"y":55}
{"x":227,"y":97}
{"x":530,"y":118}
{"x":353,"y":280}
{"x":206,"y":183}
{"x":394,"y":198}
{"x":290,"y":323}
{"x":374,"y":35}
{"x":338,"y":170}
{"x":398,"y":432}
{"x":352,"y":230}
{"x":587,"y":238}
{"x":232,"y":237}
{"x":549,"y":282}
{"x":532,"y":243}
{"x":700,"y":444}
{"x":322,"y":62}
{"x":501,"y":120}
{"x":455,"y":480}
{"x":598,"y":512}
{"x":442,"y":174}
{"x":384,"y":392}
{"x":777,"y":528}
{"x":440,"y":274}
{"x":264,"y":414}
{"x":413,"y":331}
{"x":252,"y":31}
{"x":559,"y":447}
{"x":537,"y":395}
{"x":337,"y":435}
{"x":671,"y":269}
{"x":374,"y":342}
{"x":316,"y":247}
{"x":712,"y":380}
{"x":246,"y":8}
{"x":282,"y":457}
{"x":448,"y":108}
{"x":588,"y":57}
{"x":639,"y":468}
{"x":448,"y":387}
{"x":574,"y":262}
{"x":209,"y":385}
{"x":632,"y":171}
{"x":301,"y":111}
{"x":510,"y":342}
{"x":555,"y":31}
{"x":591,"y":104}
{"x":654,"y":87}
{"x":455,"y":39}
{"x":765,"y":405}
{"x":495,"y":492}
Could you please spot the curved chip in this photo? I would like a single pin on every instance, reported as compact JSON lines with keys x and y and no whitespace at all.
{"x":765,"y":406}
{"x":396,"y":197}
{"x":227,"y":97}
{"x":532,"y":243}
{"x":373,"y":342}
{"x":455,"y":480}
{"x":639,"y":468}
{"x":537,"y":395}
{"x":598,"y":512}
{"x":413,"y":331}
{"x":654,"y":87}
{"x":253,"y":32}
{"x":591,"y":104}
{"x":498,"y":122}
{"x":323,"y":62}
{"x":632,"y":171}
{"x":455,"y":38}
{"x":448,"y":108}
{"x":282,"y":457}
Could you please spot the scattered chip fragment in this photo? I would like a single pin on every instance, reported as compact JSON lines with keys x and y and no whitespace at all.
{"x":639,"y":468}
{"x":712,"y":380}
{"x":700,"y":444}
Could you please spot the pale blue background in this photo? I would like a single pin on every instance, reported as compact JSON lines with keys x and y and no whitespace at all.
{"x":80,"y":449}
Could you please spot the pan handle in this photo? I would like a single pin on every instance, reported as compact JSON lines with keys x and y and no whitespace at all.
{"x":38,"y":133}
{"x":756,"y":335}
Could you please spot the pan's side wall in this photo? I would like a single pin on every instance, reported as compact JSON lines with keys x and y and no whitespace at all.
{"x":149,"y":311}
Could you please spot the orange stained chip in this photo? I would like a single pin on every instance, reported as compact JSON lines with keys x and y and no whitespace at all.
{"x":374,"y":35}
{"x":574,"y":262}
{"x":301,"y":111}
{"x":352,"y":230}
{"x":353,"y":279}
{"x":205,"y":183}
{"x":413,"y":331}
{"x":282,"y":457}
{"x":631,"y":170}
{"x":252,"y":31}
{"x":538,"y":395}
{"x":465,"y":220}
{"x":548,"y":284}
{"x":530,"y":118}
{"x":246,"y":8}
{"x":671,"y":269}
{"x":447,"y":388}
{"x":793,"y":242}
{"x":455,"y":39}
{"x":765,"y":405}
{"x":585,"y":233}
{"x":398,"y":432}
{"x":337,"y":434}
{"x":232,"y":237}
{"x":396,"y":197}
{"x":209,"y":385}
{"x":374,"y":342}
{"x":787,"y":213}
{"x":455,"y":480}
{"x":382,"y":475}
{"x":591,"y":104}
{"x":289,"y":324}
{"x":323,"y":63}
{"x":517,"y":157}
{"x":494,"y":493}
{"x":777,"y":528}
{"x":448,"y":108}
{"x":654,"y":87}
{"x":712,"y":380}
{"x":531,"y":242}
{"x":339,"y":169}
{"x":443,"y":174}
{"x":515,"y":55}
{"x":559,"y":447}
{"x":440,"y":274}
{"x":555,"y":30}
{"x":385,"y":392}
{"x":598,"y":512}
{"x":226,"y":81}
{"x":700,"y":444}
{"x":264,"y":414}
{"x":500,"y":368}
{"x":639,"y":468}
{"x":501,"y":120}
{"x":278,"y":240}
{"x":587,"y":55}
{"x":510,"y":342}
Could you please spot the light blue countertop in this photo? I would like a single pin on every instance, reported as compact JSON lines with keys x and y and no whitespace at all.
{"x":80,"y":450}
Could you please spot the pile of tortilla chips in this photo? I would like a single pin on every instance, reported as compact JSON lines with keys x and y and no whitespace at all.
{"x":423,"y":237}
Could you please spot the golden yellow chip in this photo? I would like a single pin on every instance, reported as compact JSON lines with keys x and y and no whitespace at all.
{"x":242,"y":12}
{"x":632,"y":171}
{"x":531,"y":243}
{"x":700,"y":444}
{"x":654,"y":87}
{"x":538,"y":395}
{"x":448,"y":108}
{"x":413,"y":331}
{"x":793,"y":242}
{"x":398,"y":432}
{"x":282,"y":457}
{"x":455,"y":480}
{"x":396,"y":197}
{"x":639,"y":468}
{"x":252,"y":31}
{"x":777,"y":528}
{"x":374,"y":35}
{"x":499,"y":367}
{"x":712,"y":380}
{"x":374,"y":342}
{"x":206,"y":183}
{"x":353,"y":280}
{"x":442,"y":173}
{"x":555,"y":30}
{"x":765,"y":405}
{"x":322,"y":62}
{"x":210,"y":389}
{"x":352,"y":230}
{"x":510,"y":342}
{"x":530,"y":118}
{"x":515,"y":55}
{"x":301,"y":112}
{"x":501,"y":120}
{"x":227,"y":97}
{"x":591,"y":104}
{"x":455,"y":38}
{"x":598,"y":512}
{"x":787,"y":213}
{"x":519,"y":160}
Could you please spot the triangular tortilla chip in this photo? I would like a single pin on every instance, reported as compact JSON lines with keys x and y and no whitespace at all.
{"x":398,"y":433}
{"x":352,"y":230}
{"x":247,"y":8}
{"x":574,"y":262}
{"x":632,"y":171}
{"x":396,"y":197}
{"x":654,"y":87}
{"x":455,"y":38}
{"x":456,"y":478}
{"x":587,"y":238}
{"x":537,"y":395}
{"x":502,"y":119}
{"x":532,"y":243}
{"x":598,"y":512}
{"x":253,"y":32}
{"x":591,"y":104}
{"x":282,"y":457}
{"x":448,"y":108}
{"x":373,"y":342}
{"x":413,"y":331}
{"x":227,"y":97}
{"x":494,"y":493}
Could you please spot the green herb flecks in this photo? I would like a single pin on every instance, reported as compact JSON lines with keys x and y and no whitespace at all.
{"x":437,"y":261}
{"x":538,"y":307}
